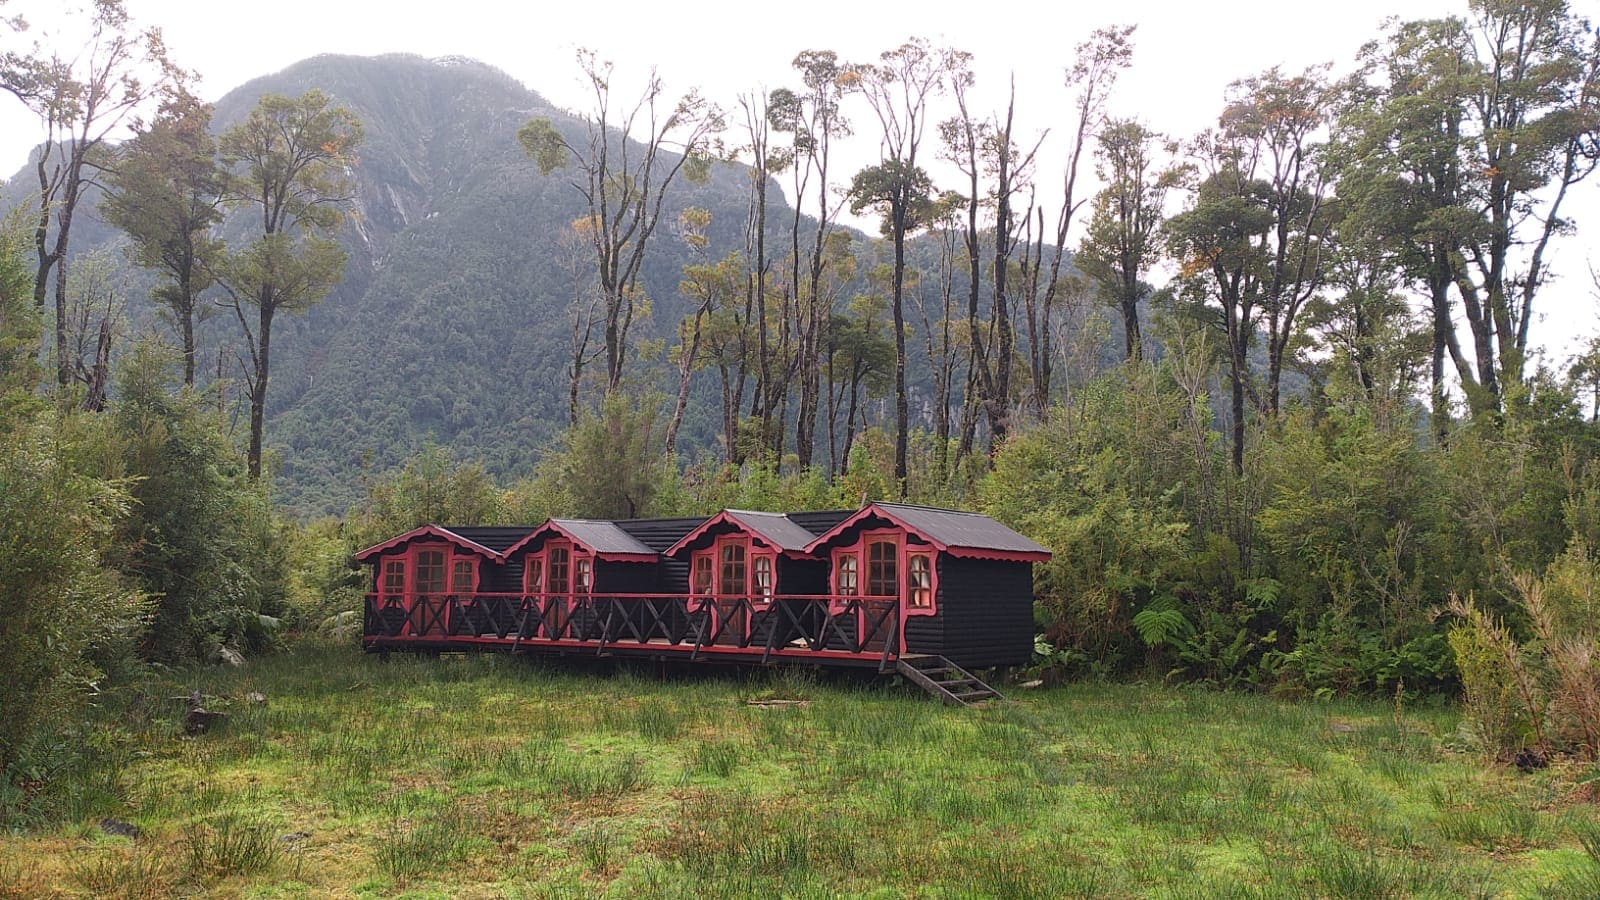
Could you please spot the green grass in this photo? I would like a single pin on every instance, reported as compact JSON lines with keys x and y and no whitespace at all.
{"x":489,"y":776}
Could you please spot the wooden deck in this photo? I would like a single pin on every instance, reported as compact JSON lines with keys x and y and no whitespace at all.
{"x":826,"y":630}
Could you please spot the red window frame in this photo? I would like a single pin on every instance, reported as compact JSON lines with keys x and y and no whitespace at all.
{"x":560,"y":568}
{"x":430,"y":569}
{"x":919,"y":595}
{"x":906,"y":547}
{"x":728,"y":568}
{"x":883,"y":553}
{"x":392,"y":578}
{"x":763,"y":575}
{"x":463,"y":576}
{"x":840,"y":558}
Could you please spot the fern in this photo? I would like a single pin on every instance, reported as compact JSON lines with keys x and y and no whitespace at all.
{"x":1162,"y":623}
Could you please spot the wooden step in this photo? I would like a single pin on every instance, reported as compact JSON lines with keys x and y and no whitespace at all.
{"x":962,"y":690}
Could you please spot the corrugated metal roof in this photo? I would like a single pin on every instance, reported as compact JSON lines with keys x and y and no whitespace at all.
{"x":776,"y":529}
{"x":659,"y":534}
{"x":602,"y":536}
{"x":495,"y":537}
{"x":961,"y":529}
{"x":819,"y":521}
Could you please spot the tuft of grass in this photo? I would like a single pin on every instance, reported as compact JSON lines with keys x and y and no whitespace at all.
{"x":657,"y":721}
{"x":580,"y":778}
{"x":596,"y":845}
{"x":136,"y":873}
{"x":717,"y":759}
{"x":1496,"y":827}
{"x":1356,"y":875}
{"x":424,"y":845}
{"x":230,"y":844}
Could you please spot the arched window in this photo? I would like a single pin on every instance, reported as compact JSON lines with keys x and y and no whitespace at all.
{"x":883,"y":577}
{"x":702,"y":575}
{"x":763,"y":576}
{"x":919,"y":581}
{"x":532,"y":575}
{"x":585,"y":568}
{"x":846,"y":578}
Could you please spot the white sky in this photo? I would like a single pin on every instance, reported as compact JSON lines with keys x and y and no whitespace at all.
{"x":1186,"y":54}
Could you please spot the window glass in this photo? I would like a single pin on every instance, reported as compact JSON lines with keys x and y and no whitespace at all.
{"x":585,"y":567}
{"x":702,"y":574}
{"x":732,"y":578}
{"x":532,"y":574}
{"x":559,"y":561}
{"x":462,"y":577}
{"x":394,"y":576}
{"x":883,"y":579}
{"x":919,"y":578}
{"x":846,"y":580}
{"x":763,"y":573}
{"x":430,"y":572}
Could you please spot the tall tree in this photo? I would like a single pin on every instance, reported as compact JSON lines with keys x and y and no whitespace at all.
{"x":1463,"y":146}
{"x":700,"y":286}
{"x":1120,"y":246}
{"x":96,"y":317}
{"x":166,"y":194}
{"x":1255,"y":238}
{"x":626,"y":163}
{"x":814,"y":118}
{"x":1536,"y":117}
{"x":1092,"y":75}
{"x":83,"y":97}
{"x":774,"y":328}
{"x":287,"y":163}
{"x":898,"y":88}
{"x":989,"y":148}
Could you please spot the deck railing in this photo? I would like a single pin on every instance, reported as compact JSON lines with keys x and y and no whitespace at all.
{"x":697,"y":625}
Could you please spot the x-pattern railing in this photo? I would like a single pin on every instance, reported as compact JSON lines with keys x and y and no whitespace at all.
{"x":816,"y":623}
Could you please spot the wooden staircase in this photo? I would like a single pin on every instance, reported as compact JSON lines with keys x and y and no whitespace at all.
{"x":944,"y":679}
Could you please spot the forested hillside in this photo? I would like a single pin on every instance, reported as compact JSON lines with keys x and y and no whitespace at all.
{"x":452,"y":323}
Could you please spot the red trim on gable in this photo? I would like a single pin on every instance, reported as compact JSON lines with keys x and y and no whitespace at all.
{"x":428,"y":531}
{"x":726,"y":516}
{"x":871,"y":509}
{"x":550,"y":527}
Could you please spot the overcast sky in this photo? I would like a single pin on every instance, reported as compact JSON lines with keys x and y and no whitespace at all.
{"x":1186,"y":54}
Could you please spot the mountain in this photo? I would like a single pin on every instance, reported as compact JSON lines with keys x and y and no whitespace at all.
{"x":451,"y":323}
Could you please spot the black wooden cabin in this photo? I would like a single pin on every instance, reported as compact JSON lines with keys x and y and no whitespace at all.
{"x":846,"y":587}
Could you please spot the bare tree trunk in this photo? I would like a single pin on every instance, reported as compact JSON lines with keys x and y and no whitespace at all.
{"x":258,"y":387}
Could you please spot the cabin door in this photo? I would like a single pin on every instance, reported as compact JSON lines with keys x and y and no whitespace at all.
{"x":881,"y":606}
{"x":733,"y":609}
{"x":560,"y":582}
{"x":428,"y":598}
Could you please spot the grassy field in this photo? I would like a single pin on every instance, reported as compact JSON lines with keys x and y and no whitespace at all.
{"x":488,"y":776}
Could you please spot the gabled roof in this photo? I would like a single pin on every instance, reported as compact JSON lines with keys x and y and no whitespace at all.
{"x":495,"y":537}
{"x":425,"y":531}
{"x":602,"y":538}
{"x":659,"y":534}
{"x":776,"y":530}
{"x":957,"y":533}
